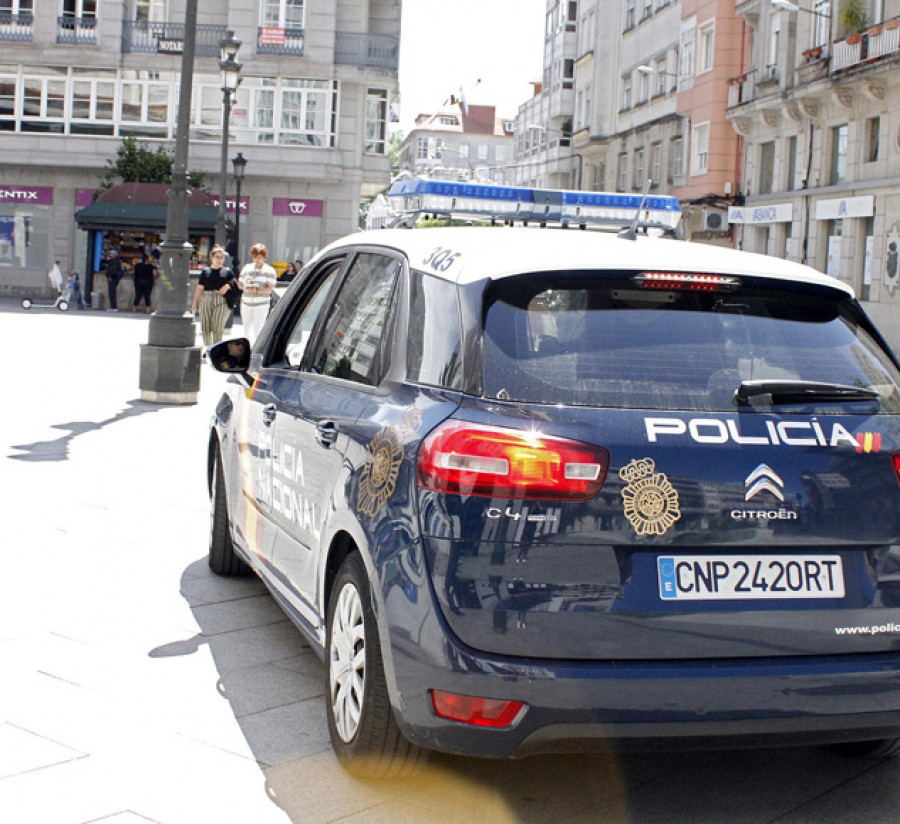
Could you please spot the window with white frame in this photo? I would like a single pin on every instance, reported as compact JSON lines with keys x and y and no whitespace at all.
{"x":644,"y":87}
{"x":656,"y":164}
{"x":500,"y":154}
{"x":821,"y":22}
{"x":662,"y":76}
{"x":707,"y":34}
{"x":622,"y":172}
{"x":687,"y":52}
{"x":626,"y":92}
{"x":146,"y":11}
{"x":482,"y":151}
{"x":630,"y":14}
{"x":78,"y":8}
{"x":421,"y":148}
{"x":16,"y":7}
{"x":676,"y":158}
{"x":376,"y":121}
{"x":700,"y":153}
{"x":774,"y":43}
{"x":282,"y":14}
{"x":638,"y":180}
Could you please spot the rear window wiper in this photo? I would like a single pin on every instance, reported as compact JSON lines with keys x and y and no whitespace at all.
{"x":791,"y":391}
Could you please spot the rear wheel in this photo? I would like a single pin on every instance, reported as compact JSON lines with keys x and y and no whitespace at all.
{"x":26,"y":303}
{"x":63,"y":306}
{"x":364,"y":734}
{"x":222,"y":558}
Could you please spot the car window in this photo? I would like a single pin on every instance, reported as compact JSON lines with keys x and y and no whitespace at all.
{"x":434,"y":344}
{"x":299,"y":336}
{"x":351,"y":339}
{"x":585,"y":341}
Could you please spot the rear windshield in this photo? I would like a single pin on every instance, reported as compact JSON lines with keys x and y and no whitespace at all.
{"x":581,"y":340}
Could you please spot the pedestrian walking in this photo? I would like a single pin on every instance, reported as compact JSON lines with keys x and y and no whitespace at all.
{"x":72,"y":290}
{"x":215,"y":282}
{"x":144,"y":273}
{"x":257,"y":281}
{"x":114,"y":273}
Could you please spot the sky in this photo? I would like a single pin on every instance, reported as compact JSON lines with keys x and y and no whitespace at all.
{"x":446,"y":45}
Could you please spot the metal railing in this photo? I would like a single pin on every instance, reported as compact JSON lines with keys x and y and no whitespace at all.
{"x":876,"y":42}
{"x":271,"y":40}
{"x":76,"y":31}
{"x":376,"y":50}
{"x":16,"y":28}
{"x":742,"y":89}
{"x":143,"y":37}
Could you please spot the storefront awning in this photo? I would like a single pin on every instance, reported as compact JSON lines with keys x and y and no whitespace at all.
{"x":136,"y":206}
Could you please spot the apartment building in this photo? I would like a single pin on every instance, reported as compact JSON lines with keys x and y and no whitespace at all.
{"x":79,"y":76}
{"x":633,"y":91}
{"x":460,"y":142}
{"x":818,"y":105}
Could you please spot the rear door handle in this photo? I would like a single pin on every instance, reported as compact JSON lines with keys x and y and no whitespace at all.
{"x":326,"y":433}
{"x":268,"y":414}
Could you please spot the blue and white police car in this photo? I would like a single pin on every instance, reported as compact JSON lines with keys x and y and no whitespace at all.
{"x":532,"y":490}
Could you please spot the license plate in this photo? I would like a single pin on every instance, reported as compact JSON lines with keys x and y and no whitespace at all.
{"x":756,"y":577}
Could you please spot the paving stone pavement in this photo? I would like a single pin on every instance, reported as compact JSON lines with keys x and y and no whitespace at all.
{"x":137,"y":687}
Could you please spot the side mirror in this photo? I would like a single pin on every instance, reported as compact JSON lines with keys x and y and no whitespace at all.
{"x":231,"y":356}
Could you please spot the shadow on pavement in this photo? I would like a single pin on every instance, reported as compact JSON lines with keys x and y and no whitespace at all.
{"x":58,"y":449}
{"x":274,"y":684}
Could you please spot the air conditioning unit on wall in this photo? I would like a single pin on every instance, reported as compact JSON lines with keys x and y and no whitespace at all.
{"x":715,"y":221}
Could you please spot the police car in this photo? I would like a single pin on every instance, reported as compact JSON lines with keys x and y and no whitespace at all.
{"x":532,"y":490}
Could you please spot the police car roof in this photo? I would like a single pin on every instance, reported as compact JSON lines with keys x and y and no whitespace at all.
{"x":498,"y":252}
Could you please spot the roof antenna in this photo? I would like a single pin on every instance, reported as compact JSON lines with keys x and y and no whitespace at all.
{"x":630,"y":232}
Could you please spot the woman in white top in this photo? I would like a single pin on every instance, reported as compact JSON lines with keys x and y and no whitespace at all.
{"x":257,"y":280}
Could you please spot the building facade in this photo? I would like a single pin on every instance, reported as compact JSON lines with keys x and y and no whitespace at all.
{"x":636,"y":91}
{"x":818,"y":106}
{"x":461,"y":142}
{"x":310,"y":115}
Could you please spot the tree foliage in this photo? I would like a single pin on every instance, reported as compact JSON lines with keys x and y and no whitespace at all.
{"x":136,"y":162}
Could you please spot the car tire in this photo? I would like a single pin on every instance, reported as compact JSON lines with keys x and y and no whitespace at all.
{"x":223,"y":560}
{"x":880,"y":748}
{"x":364,"y":733}
{"x":26,"y":303}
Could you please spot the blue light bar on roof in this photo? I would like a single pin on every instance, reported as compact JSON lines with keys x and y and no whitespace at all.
{"x":543,"y":205}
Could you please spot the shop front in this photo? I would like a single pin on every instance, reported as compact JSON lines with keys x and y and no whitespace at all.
{"x":130,"y":219}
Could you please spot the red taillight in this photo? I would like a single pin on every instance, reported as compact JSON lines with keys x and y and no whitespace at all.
{"x":895,"y":460}
{"x":482,"y":712}
{"x":471,"y":459}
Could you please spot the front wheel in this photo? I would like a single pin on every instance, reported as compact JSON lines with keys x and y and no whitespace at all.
{"x":364,"y":734}
{"x":223,"y":560}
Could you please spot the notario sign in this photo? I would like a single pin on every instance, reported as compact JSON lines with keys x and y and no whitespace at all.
{"x":31,"y":195}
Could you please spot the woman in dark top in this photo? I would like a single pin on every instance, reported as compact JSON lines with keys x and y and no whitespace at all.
{"x":215,"y":281}
{"x":144,"y":272}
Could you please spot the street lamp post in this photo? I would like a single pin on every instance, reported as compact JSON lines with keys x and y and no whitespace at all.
{"x":170,"y":362}
{"x":230,"y":71}
{"x":239,"y":163}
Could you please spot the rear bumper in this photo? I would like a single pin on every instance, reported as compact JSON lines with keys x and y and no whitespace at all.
{"x":584,"y":706}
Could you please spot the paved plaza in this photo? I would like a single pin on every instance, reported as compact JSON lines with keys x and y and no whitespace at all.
{"x":136,"y":687}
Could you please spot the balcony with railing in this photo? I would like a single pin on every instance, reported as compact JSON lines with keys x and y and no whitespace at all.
{"x":76,"y":31}
{"x":16,"y":28}
{"x":273,"y":40}
{"x":742,"y":89}
{"x":866,"y":46}
{"x":376,"y":50}
{"x":165,"y":37}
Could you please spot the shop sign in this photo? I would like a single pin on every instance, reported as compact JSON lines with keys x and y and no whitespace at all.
{"x":169,"y":45}
{"x":270,"y":36}
{"x":773,"y":213}
{"x":845,"y":207}
{"x":286,"y":207}
{"x":84,"y":197}
{"x":30,"y":195}
{"x":229,"y":204}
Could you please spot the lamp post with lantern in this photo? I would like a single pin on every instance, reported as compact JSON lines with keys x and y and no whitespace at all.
{"x":239,"y":163}
{"x":230,"y":71}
